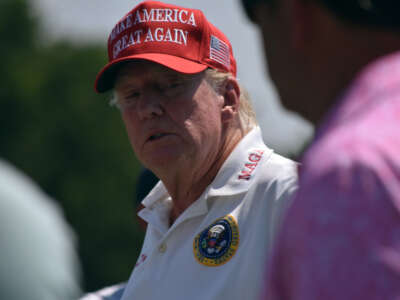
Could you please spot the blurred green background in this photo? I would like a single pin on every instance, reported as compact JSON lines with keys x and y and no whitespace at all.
{"x":67,"y":138}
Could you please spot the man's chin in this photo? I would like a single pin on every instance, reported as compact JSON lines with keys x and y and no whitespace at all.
{"x":162,"y":160}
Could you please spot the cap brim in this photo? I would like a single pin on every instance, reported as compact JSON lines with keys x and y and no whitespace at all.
{"x":106,"y":77}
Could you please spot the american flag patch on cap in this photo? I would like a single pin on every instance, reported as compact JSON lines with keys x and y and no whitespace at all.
{"x":219,"y":51}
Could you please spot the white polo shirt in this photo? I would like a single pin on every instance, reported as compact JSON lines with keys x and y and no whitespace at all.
{"x":217,"y":247}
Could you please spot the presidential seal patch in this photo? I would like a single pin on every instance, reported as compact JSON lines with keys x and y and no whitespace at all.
{"x":217,"y":244}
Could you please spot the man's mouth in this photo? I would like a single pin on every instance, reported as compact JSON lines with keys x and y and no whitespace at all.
{"x":157,"y":136}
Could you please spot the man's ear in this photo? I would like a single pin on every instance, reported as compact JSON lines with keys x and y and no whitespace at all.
{"x":231,"y":95}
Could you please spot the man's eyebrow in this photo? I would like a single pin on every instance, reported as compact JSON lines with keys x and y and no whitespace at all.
{"x":122,"y":83}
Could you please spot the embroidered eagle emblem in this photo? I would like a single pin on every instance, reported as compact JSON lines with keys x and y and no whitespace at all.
{"x":217,"y":244}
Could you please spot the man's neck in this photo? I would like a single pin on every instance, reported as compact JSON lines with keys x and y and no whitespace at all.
{"x":186,"y":185}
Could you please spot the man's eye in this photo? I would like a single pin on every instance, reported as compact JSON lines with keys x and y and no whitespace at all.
{"x":172,"y":88}
{"x":175,"y":84}
{"x":129,"y":99}
{"x":133,"y":95}
{"x":170,"y":85}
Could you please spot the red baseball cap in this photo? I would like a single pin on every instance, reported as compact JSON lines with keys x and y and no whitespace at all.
{"x":179,"y":38}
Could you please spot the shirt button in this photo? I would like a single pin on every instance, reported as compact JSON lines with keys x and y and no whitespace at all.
{"x":162,"y":248}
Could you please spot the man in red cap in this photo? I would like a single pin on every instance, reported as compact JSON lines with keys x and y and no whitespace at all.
{"x":212,"y":216}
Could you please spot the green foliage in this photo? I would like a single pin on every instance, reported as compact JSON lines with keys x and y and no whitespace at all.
{"x":58,"y":131}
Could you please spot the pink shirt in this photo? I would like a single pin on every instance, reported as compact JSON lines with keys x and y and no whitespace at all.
{"x":341,"y":237}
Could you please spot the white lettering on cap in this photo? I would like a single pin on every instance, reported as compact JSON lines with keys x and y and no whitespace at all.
{"x":154,"y":15}
{"x":160,"y":34}
{"x":127,"y":41}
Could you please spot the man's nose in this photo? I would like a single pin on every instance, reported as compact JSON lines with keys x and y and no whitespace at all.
{"x":150,"y":105}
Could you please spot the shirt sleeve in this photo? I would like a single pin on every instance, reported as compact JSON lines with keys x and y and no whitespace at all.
{"x":285,"y":193}
{"x":340,"y":240}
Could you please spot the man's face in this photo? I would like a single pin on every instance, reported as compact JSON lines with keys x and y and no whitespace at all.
{"x":173,"y":120}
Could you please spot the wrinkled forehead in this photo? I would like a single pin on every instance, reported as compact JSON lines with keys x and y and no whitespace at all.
{"x":146,"y":71}
{"x":140,"y":67}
